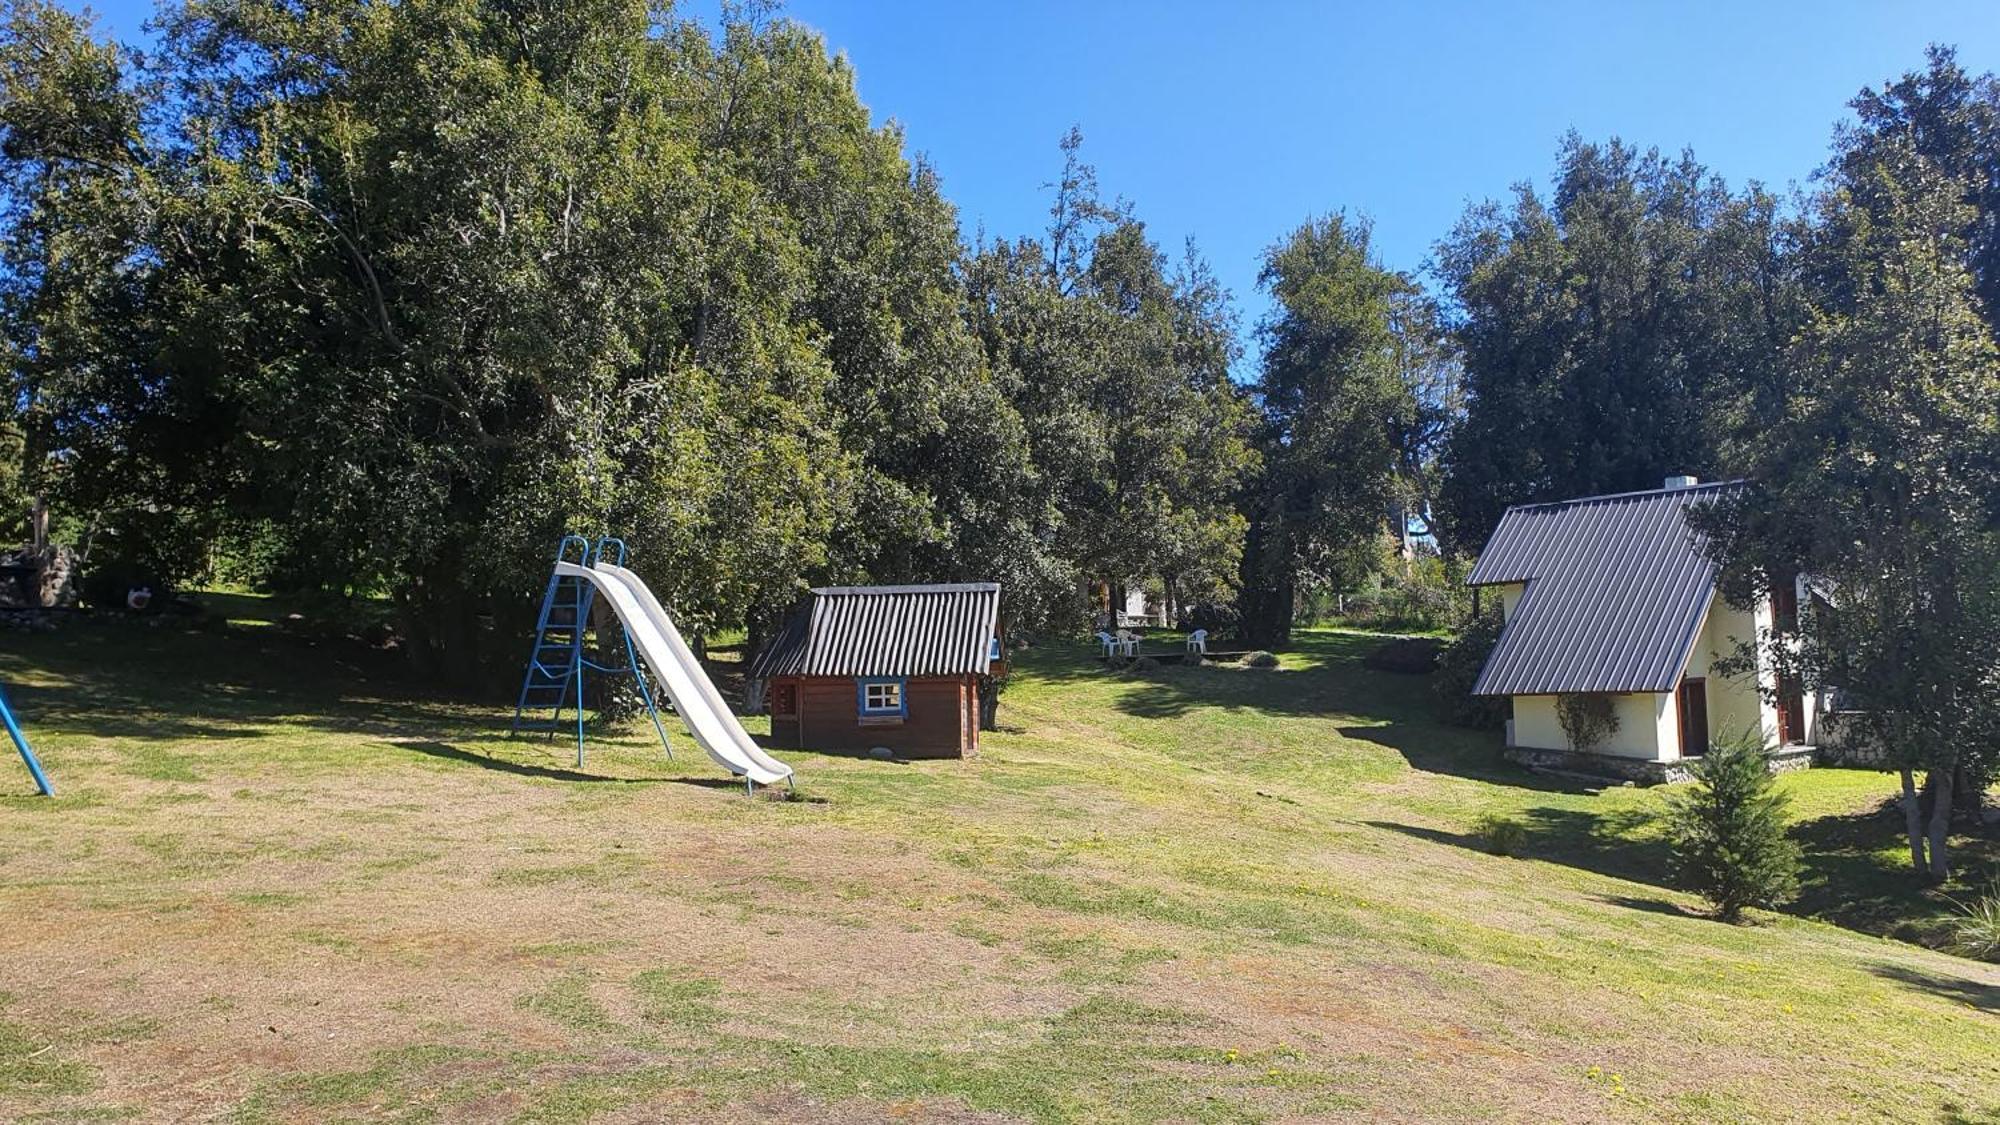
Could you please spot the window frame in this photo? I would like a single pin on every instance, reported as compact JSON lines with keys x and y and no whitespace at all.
{"x":862,"y":708}
{"x":780,"y":692}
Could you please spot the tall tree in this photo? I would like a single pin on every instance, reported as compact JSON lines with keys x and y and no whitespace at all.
{"x":1118,"y":366}
{"x":1882,"y":481}
{"x":1952,"y":120}
{"x":1621,"y":331}
{"x":1337,"y":410}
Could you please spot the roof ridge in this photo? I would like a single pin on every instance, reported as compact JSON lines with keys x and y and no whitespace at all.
{"x":915,"y":588}
{"x":1708,"y":486}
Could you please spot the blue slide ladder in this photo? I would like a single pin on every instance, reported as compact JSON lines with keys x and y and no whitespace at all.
{"x":21,"y":744}
{"x":553,"y":682}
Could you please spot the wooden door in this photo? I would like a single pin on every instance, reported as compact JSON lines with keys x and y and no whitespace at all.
{"x":1791,"y":713}
{"x":1693,"y":701}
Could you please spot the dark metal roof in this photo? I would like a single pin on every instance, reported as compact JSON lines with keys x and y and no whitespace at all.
{"x":886,"y":631}
{"x":1616,"y":590}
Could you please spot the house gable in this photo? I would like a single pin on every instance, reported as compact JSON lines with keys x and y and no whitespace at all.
{"x":1615,"y":589}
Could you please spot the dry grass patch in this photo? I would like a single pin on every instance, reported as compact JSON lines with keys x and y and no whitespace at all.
{"x":292,"y":891}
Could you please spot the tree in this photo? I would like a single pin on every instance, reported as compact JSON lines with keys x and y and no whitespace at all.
{"x":402,"y":292}
{"x":1882,"y":482}
{"x":1728,"y":832}
{"x":1117,"y":365}
{"x":1337,"y":416}
{"x":1624,"y":329}
{"x":1951,"y":119}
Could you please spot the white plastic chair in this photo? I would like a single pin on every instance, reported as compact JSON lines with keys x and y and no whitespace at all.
{"x":1110,"y":643}
{"x":1128,"y":643}
{"x":1197,"y":641}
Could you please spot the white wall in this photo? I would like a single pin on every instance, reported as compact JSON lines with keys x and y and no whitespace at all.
{"x":1647,"y":726}
{"x":1735,"y":704}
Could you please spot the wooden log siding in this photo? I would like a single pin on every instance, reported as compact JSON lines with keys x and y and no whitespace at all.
{"x":943,"y":719}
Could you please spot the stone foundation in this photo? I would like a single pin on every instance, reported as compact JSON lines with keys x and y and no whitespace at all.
{"x":1639,"y":770}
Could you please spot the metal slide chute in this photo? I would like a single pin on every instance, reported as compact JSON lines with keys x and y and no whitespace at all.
{"x":693,"y":694}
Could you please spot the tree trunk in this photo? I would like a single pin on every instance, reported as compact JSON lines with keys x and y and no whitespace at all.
{"x":1941,"y":781}
{"x":989,"y":703}
{"x":1913,"y":822}
{"x":1971,"y":798}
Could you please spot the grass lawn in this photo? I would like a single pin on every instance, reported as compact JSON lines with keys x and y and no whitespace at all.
{"x":279,"y":885}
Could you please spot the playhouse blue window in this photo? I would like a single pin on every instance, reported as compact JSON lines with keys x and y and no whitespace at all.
{"x":993,"y":649}
{"x":882,"y":698}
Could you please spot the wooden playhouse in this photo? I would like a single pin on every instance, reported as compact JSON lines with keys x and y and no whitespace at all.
{"x":857,"y":667}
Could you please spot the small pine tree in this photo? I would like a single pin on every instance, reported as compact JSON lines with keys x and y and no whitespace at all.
{"x":1728,"y":832}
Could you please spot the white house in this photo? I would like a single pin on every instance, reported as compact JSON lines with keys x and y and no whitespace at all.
{"x":1611,"y":595}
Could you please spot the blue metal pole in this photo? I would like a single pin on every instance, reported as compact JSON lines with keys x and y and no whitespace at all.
{"x":21,"y":744}
{"x":579,"y":714}
{"x":646,"y":693}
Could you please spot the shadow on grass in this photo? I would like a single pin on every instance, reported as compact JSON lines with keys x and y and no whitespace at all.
{"x":1851,"y":875}
{"x":452,"y":753}
{"x":1323,"y":676}
{"x":1456,"y":752}
{"x":1652,"y":906}
{"x":1976,"y":994}
{"x":1857,"y":872}
{"x":1605,"y":843}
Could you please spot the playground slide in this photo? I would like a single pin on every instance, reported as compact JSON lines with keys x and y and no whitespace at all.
{"x":693,"y":694}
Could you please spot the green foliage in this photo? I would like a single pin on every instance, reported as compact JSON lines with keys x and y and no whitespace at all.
{"x":1728,"y":832}
{"x":1349,"y":354}
{"x":1458,"y":669}
{"x":1973,"y":929}
{"x":1881,"y":480}
{"x":1118,"y":366}
{"x":386,"y":297}
{"x":1587,"y":718}
{"x":1502,"y":834}
{"x":1625,"y":328}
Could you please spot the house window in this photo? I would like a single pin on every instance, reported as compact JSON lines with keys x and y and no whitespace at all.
{"x":1785,"y":606}
{"x":882,"y":699}
{"x":993,"y":650}
{"x":785,"y":700}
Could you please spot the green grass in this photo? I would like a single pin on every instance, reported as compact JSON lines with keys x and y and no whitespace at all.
{"x":279,"y":884}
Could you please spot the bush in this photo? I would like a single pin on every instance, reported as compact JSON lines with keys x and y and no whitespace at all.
{"x":1975,"y":930}
{"x":1503,"y":835}
{"x":1261,"y":659}
{"x":1728,"y":832}
{"x":1410,"y":655}
{"x":1588,"y":718}
{"x":1216,"y":617}
{"x":1458,"y":666}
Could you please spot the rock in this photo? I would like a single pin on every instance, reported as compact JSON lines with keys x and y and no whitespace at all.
{"x":881,"y":753}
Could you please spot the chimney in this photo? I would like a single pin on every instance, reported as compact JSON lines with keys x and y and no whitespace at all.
{"x":1681,"y":482}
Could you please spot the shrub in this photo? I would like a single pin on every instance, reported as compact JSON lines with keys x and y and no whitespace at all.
{"x":1975,"y":930}
{"x":1503,"y":835}
{"x":1587,"y":718}
{"x":1728,"y":832}
{"x":1458,"y":666}
{"x":1261,"y":659}
{"x":1409,"y":655}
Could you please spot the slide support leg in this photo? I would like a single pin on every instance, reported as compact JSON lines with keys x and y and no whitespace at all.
{"x":646,"y":693}
{"x":579,"y":714}
{"x":27,"y":755}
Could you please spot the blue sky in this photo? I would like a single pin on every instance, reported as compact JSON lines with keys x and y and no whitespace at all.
{"x":1233,"y":123}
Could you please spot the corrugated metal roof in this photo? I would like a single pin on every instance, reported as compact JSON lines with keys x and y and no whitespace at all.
{"x":1616,"y":589}
{"x":940,"y":630}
